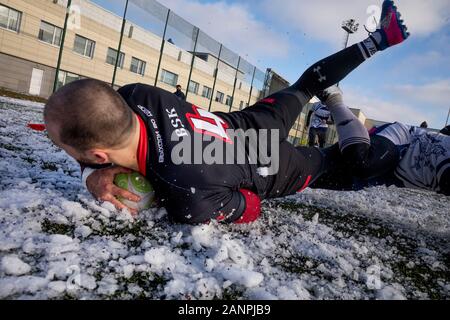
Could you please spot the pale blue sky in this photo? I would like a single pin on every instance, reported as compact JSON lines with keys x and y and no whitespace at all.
{"x":408,"y":83}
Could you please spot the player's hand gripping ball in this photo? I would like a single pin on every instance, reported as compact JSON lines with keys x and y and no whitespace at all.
{"x":137,"y":184}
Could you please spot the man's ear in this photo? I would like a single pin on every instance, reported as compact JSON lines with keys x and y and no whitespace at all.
{"x":99,"y":156}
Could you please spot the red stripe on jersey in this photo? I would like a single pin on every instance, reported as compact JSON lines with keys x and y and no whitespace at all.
{"x":308,"y":180}
{"x":220,"y":218}
{"x":268,"y":101}
{"x":252,"y":207}
{"x":36,"y":126}
{"x":142,"y":148}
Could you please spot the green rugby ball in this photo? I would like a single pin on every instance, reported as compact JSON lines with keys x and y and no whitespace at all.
{"x":140,"y":186}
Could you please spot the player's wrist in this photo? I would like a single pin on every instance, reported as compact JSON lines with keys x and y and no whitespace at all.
{"x":87,"y":172}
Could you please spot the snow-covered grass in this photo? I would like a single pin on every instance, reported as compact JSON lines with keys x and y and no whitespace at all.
{"x":56,"y":242}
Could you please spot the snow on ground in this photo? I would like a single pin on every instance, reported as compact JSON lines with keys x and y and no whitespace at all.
{"x":56,"y":242}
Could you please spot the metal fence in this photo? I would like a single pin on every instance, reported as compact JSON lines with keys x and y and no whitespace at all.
{"x":170,"y":38}
{"x":55,"y":42}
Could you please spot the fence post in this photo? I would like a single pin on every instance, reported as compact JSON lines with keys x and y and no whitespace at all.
{"x":251,"y":86}
{"x":297,"y":131}
{"x":124,"y":21}
{"x":305,"y":130}
{"x":192,"y":62}
{"x":61,"y":47}
{"x":215,"y":78}
{"x":267,"y":80}
{"x":162,"y":47}
{"x":235,"y":83}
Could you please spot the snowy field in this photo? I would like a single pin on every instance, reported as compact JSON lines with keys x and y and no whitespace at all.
{"x":56,"y":242}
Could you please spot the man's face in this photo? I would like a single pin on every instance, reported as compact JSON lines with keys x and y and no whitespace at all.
{"x":53,"y":134}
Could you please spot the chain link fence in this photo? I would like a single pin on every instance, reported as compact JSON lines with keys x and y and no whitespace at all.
{"x":45,"y":44}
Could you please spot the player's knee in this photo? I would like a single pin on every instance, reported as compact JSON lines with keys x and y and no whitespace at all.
{"x":305,"y":85}
{"x":356,"y":157}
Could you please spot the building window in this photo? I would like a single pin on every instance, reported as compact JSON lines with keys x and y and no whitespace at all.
{"x":207,"y":92}
{"x":138,"y":66}
{"x":111,"y":57}
{"x":50,"y":33}
{"x":229,"y":101}
{"x":219,"y":96}
{"x":241,"y":105}
{"x":84,"y":46}
{"x":169,"y":78}
{"x":67,"y":77}
{"x":193,"y":87}
{"x":9,"y":18}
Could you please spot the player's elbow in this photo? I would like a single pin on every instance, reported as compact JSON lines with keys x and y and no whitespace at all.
{"x":252,"y":208}
{"x":356,"y":157}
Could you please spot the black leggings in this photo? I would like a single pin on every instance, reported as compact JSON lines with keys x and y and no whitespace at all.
{"x":298,"y":166}
{"x":359,"y":166}
{"x":281,"y":110}
{"x":321,"y":134}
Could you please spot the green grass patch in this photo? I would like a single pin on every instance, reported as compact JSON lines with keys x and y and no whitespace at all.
{"x":50,"y":227}
{"x":16,"y":95}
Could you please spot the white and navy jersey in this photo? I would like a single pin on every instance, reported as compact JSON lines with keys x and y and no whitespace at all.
{"x":424,"y":155}
{"x":320,"y":116}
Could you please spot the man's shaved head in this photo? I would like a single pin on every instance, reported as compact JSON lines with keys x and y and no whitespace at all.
{"x":88,"y":114}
